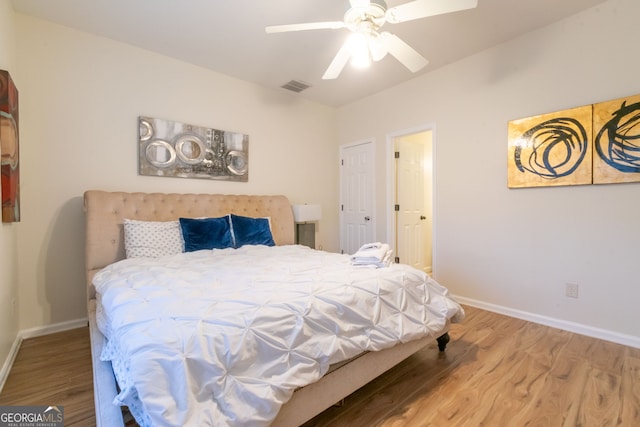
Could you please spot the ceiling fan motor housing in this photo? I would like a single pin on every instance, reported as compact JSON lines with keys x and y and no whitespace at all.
{"x":364,"y":19}
{"x":369,"y":16}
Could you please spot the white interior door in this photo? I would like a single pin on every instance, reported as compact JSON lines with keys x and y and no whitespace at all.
{"x":413,"y":200}
{"x":357,"y":223}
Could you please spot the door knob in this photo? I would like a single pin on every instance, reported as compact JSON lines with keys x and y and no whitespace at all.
{"x":367,"y":218}
{"x":422,"y":217}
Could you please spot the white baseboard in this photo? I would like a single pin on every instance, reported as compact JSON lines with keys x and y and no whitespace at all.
{"x":8,"y":363}
{"x":31,"y":333}
{"x":52,"y":329}
{"x":578,"y":328}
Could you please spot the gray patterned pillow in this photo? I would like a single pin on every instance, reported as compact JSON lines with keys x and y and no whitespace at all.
{"x":152,"y":238}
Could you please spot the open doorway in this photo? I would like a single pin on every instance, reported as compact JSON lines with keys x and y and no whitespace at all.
{"x":411,"y":192}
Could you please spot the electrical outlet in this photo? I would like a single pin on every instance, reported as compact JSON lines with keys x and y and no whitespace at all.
{"x":571,"y":290}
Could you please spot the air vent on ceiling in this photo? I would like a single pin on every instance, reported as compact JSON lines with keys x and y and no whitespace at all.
{"x":295,"y":86}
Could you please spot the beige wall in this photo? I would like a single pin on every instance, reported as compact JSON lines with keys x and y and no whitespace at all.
{"x":518,"y":248}
{"x":80,"y":99}
{"x":8,"y":232}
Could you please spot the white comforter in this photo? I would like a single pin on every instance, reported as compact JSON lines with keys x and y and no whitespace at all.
{"x":224,"y":337}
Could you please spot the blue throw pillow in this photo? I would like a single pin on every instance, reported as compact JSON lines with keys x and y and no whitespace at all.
{"x":251,"y":231}
{"x":206,"y":233}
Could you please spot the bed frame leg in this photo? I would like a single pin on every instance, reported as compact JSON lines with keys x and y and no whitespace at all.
{"x":442,"y":341}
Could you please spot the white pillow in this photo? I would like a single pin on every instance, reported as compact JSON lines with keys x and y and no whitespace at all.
{"x":152,"y":238}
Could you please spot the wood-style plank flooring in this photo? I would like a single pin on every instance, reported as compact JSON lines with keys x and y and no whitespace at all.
{"x":496,"y":371}
{"x":54,"y":370}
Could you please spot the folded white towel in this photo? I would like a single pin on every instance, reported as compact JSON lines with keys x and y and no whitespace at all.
{"x":372,"y":250}
{"x":368,"y":246}
{"x":373,"y":254}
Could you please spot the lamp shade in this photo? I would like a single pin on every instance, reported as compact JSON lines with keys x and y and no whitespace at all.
{"x":307,"y":213}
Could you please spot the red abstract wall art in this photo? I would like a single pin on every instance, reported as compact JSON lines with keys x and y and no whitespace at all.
{"x":9,"y":149}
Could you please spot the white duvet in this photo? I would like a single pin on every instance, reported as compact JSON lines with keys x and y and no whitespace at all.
{"x":224,"y":337}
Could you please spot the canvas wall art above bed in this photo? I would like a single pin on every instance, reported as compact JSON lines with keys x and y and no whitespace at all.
{"x":206,"y":312}
{"x":174,"y":149}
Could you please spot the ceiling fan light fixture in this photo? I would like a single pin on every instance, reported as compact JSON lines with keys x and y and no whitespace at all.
{"x":361,"y":60}
{"x":358,"y":47}
{"x":377,"y":49}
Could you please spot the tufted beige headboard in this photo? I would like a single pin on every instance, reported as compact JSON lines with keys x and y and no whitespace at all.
{"x":105,"y":212}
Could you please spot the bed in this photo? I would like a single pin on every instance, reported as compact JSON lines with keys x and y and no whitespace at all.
{"x":310,"y":390}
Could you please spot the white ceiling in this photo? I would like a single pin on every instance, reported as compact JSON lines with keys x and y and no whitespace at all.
{"x":228,"y":36}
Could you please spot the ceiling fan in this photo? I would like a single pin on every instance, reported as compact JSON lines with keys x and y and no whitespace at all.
{"x":366,"y":42}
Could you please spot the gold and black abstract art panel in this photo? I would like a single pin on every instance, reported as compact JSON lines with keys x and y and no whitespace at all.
{"x":551,"y":149}
{"x":617,"y":143}
{"x":594,"y":144}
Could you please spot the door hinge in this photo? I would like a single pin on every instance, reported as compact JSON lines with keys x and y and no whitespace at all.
{"x":341,"y":208}
{"x":397,"y":260}
{"x":397,"y":154}
{"x":341,"y":162}
{"x":396,"y":208}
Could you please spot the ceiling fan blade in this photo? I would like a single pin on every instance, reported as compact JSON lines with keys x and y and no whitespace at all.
{"x":330,"y":25}
{"x":404,"y":53}
{"x":338,"y":63}
{"x":423,"y":8}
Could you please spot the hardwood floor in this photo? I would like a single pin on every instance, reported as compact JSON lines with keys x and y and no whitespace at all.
{"x":496,"y":371}
{"x":54,"y":370}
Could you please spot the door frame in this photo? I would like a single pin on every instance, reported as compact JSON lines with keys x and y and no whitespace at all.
{"x":391,"y":181}
{"x":372,"y":142}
